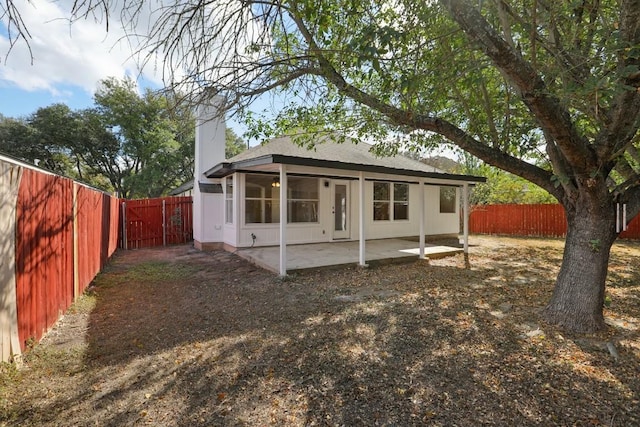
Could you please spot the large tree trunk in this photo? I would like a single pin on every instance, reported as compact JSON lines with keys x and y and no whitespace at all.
{"x":578,"y":297}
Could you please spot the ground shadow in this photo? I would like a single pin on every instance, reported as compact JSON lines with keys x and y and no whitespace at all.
{"x":182,"y":338}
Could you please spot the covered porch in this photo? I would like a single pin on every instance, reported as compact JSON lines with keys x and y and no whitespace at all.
{"x":334,"y":254}
{"x":364,"y":251}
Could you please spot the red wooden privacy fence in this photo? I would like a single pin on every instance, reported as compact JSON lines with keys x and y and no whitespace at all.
{"x":529,"y":220}
{"x":55,"y":236}
{"x":44,"y":252}
{"x":97,"y":231}
{"x":156,"y":222}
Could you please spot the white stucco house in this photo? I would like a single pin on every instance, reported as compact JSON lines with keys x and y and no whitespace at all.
{"x":335,"y":192}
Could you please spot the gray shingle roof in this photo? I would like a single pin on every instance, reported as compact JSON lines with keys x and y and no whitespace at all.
{"x":330,"y":154}
{"x":184,"y":187}
{"x":347,"y":152}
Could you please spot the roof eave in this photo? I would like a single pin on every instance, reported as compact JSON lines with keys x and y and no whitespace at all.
{"x":226,"y":168}
{"x":220,"y":170}
{"x":333,"y":164}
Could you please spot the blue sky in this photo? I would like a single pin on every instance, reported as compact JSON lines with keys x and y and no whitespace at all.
{"x":18,"y":102}
{"x":61,"y":63}
{"x":65,"y":62}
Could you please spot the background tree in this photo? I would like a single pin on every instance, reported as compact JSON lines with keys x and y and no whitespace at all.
{"x":234,"y":145}
{"x":503,"y":80}
{"x":501,"y":187}
{"x":66,"y":137}
{"x":17,"y":138}
{"x":135,"y":145}
{"x":37,"y":138}
{"x":152,"y":147}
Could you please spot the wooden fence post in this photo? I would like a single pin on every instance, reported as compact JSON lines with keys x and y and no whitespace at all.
{"x":10,"y":176}
{"x":164,"y":222}
{"x":124,"y":225}
{"x":76,"y":251}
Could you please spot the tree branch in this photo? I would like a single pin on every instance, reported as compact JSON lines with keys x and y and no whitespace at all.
{"x":624,"y":114}
{"x":401,"y":117}
{"x":16,"y":28}
{"x":548,"y":111}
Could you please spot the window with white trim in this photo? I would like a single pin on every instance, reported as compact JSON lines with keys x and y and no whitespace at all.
{"x":262,"y":199}
{"x":448,"y":199}
{"x":381,"y":201}
{"x":390,"y":201}
{"x":303,"y":199}
{"x":400,"y":201}
{"x":228,"y":200}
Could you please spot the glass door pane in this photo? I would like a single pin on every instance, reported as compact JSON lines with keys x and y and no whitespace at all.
{"x":340,"y":211}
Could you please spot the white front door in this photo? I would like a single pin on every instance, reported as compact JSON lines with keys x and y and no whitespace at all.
{"x":340,"y":209}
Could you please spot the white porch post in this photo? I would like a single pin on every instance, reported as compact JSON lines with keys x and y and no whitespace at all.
{"x":422,"y":217}
{"x":361,"y":261}
{"x":235,"y":181}
{"x":283,"y":221}
{"x":465,"y":221}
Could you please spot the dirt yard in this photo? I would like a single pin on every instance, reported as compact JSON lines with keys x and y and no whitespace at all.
{"x":175,"y":337}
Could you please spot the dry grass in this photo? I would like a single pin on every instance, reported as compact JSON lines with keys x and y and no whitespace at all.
{"x":182,"y":338}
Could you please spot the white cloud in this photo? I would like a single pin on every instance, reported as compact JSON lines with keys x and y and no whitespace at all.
{"x":80,"y":54}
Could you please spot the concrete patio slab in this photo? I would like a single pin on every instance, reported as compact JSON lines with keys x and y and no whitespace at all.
{"x":335,"y":254}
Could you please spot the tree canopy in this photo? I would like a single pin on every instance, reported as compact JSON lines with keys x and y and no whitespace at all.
{"x":500,"y":188}
{"x":135,"y":145}
{"x":152,"y":148}
{"x":234,"y":144}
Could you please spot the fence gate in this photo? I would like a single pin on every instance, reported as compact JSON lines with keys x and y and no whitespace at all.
{"x":156,"y":222}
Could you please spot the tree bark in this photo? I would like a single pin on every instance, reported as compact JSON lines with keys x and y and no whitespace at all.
{"x":577,"y":301}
